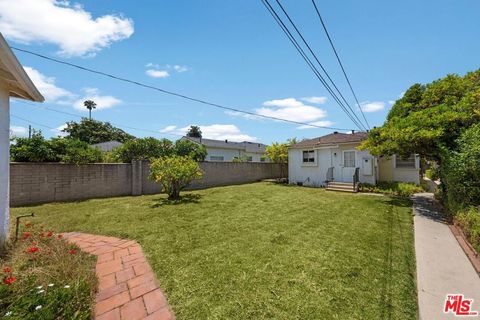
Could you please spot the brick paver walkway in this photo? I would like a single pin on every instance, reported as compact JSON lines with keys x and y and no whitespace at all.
{"x":127,"y":287}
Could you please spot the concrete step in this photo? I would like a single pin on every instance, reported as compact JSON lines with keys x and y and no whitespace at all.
{"x":338,"y":183}
{"x":340,"y":189}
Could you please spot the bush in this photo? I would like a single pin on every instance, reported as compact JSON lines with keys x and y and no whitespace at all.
{"x":44,"y":277}
{"x":142,"y":149}
{"x":187,"y":148}
{"x":174,"y":173}
{"x":461,"y":172}
{"x":469,"y":221}
{"x":401,"y":189}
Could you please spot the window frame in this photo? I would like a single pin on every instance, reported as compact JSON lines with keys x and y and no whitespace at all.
{"x":412,"y":159}
{"x":354,"y":159}
{"x":222,"y":157}
{"x":311,"y":157}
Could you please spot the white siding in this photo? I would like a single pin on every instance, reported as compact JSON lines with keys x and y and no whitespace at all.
{"x":229,"y":154}
{"x":388,"y":171}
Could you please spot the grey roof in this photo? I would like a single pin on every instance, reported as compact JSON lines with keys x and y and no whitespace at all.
{"x":331,"y":139}
{"x":107,"y":146}
{"x":246,"y":146}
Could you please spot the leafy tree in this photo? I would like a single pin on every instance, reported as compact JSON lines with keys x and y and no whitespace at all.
{"x":174,"y":173}
{"x":92,"y":131}
{"x":34,"y":149}
{"x":429,"y":119}
{"x":90,"y":104}
{"x":184,"y":147}
{"x":194,"y":132}
{"x":75,"y":151}
{"x":143,"y":149}
{"x":278,"y":152}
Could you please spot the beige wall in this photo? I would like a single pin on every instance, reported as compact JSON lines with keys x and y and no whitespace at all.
{"x":388,"y":172}
{"x":33,"y":183}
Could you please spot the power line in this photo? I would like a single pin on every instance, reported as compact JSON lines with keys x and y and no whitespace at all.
{"x":32,"y":122}
{"x":318,"y":61}
{"x":115,"y":124}
{"x":339,"y":61}
{"x":170,"y":92}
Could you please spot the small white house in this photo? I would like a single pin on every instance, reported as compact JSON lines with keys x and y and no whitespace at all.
{"x":224,"y":150}
{"x":14,"y":82}
{"x":333,"y":160}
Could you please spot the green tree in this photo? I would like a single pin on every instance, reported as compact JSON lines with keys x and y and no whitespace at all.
{"x":75,"y":151}
{"x":429,"y":119}
{"x":34,"y":149}
{"x":194,"y":132}
{"x":142,"y":149}
{"x":187,"y":148}
{"x":174,"y":173}
{"x":92,"y":131}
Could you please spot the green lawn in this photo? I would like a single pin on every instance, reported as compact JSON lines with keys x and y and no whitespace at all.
{"x":264,"y":251}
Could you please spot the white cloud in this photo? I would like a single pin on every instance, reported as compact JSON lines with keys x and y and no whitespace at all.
{"x":58,"y":130}
{"x":244,"y":115}
{"x":17,"y":131}
{"x":179,"y":68}
{"x":75,"y":31}
{"x":375,"y":106}
{"x":215,"y":131}
{"x":316,"y":100}
{"x":168,"y":129}
{"x":157,"y":73}
{"x":291,"y":109}
{"x":46,"y":86}
{"x":391,"y":102}
{"x":317,"y":124}
{"x":103,"y":102}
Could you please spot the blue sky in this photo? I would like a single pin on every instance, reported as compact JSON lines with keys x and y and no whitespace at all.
{"x":232,"y":53}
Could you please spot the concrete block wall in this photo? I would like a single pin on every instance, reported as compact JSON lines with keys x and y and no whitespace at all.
{"x":33,"y":183}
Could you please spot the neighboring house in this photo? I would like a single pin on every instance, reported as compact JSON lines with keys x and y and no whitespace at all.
{"x":334,"y":161}
{"x":107,"y":146}
{"x":14,"y":82}
{"x":224,"y":150}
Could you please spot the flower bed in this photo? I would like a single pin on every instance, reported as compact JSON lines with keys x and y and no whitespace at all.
{"x":44,"y":277}
{"x":401,"y":189}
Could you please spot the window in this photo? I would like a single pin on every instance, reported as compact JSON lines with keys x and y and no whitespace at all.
{"x":249,"y":159}
{"x":349,"y":159}
{"x":408,"y":162}
{"x":216,"y":158}
{"x":308,"y":156}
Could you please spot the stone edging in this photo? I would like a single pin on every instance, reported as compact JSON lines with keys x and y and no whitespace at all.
{"x":466,"y":246}
{"x":127,"y":287}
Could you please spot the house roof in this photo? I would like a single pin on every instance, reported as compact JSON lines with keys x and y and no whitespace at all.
{"x":14,"y":76}
{"x":331,"y":139}
{"x":246,"y":146}
{"x":107,"y":146}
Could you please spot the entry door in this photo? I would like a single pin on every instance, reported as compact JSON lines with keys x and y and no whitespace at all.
{"x":349,"y":165}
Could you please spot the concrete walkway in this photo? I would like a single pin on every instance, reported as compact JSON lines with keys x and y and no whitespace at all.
{"x":442,"y":266}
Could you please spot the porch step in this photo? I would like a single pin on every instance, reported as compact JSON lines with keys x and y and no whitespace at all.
{"x":340,"y":186}
{"x":341,"y":189}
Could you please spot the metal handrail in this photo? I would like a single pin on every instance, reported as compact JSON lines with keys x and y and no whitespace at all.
{"x":356,"y":178}
{"x":329,"y":174}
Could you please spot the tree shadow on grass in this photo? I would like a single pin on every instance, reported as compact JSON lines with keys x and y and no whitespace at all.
{"x":185,"y":199}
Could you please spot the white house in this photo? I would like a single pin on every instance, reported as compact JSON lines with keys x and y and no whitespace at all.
{"x":333,"y":161}
{"x":14,"y":82}
{"x":224,"y":150}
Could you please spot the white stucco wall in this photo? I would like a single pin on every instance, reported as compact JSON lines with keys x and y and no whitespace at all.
{"x":229,"y":154}
{"x":315,"y":174}
{"x":4,"y":162}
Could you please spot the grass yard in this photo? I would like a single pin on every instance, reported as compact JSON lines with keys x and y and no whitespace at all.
{"x":264,"y":251}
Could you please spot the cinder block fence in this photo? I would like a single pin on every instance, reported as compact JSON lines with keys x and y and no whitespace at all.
{"x":32,"y":183}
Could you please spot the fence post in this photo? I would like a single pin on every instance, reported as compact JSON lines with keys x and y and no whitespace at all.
{"x":136,"y":178}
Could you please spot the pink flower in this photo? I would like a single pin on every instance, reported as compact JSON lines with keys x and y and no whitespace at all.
{"x":72,"y":251}
{"x":26,"y":235}
{"x":7,"y":269}
{"x":49,"y":233}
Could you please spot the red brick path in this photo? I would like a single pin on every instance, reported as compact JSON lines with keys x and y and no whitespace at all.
{"x":127,"y":287}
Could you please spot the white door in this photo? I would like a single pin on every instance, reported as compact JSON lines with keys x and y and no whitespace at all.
{"x":349,"y":165}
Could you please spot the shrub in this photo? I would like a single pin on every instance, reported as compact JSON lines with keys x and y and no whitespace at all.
{"x":44,"y":277}
{"x":34,"y":149}
{"x":174,"y":173}
{"x":75,"y":151}
{"x":142,"y":149}
{"x":402,"y":189}
{"x":187,"y":148}
{"x":469,"y":221}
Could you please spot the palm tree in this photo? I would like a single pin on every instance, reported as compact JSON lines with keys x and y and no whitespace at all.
{"x":90,"y":104}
